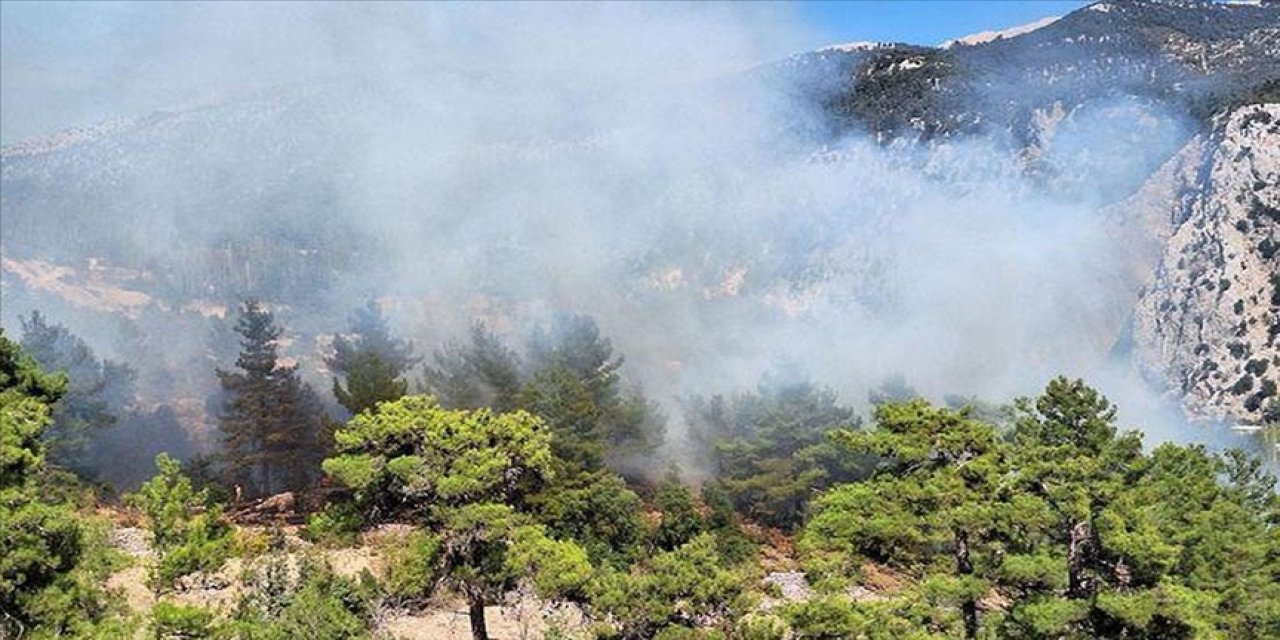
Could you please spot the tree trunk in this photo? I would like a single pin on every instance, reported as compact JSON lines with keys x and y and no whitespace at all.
{"x":266,"y":478}
{"x":1078,"y":559}
{"x":964,"y":567}
{"x":475,"y":608}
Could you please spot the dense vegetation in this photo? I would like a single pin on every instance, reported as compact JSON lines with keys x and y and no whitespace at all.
{"x":520,"y":475}
{"x":51,"y":561}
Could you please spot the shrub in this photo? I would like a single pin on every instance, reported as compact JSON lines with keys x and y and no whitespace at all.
{"x":411,"y":565}
{"x":681,"y":521}
{"x":762,"y":627}
{"x":249,"y":543}
{"x":171,"y":621}
{"x":314,"y":602}
{"x":600,"y":513}
{"x":822,"y":618}
{"x":336,"y":526}
{"x":188,"y":533}
{"x":686,"y":587}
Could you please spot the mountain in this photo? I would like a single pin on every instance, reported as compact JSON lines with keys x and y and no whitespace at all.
{"x":1199,"y":55}
{"x":1206,"y":323}
{"x":983,"y":37}
{"x":1158,"y":116}
{"x":1207,"y":320}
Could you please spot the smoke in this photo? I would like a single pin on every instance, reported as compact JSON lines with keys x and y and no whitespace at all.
{"x":508,"y":161}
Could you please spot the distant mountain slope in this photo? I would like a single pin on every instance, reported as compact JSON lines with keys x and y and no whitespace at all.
{"x":1208,"y":321}
{"x":983,"y":37}
{"x":1201,"y":56}
{"x":271,"y":194}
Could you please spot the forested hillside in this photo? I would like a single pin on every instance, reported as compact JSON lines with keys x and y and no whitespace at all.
{"x":510,"y":491}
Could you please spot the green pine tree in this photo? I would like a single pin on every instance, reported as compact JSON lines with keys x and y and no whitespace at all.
{"x":369,"y":363}
{"x":50,"y":579}
{"x":482,"y":373}
{"x":271,"y":422}
{"x":769,"y":449}
{"x":98,"y":394}
{"x":464,"y":474}
{"x":575,"y":386}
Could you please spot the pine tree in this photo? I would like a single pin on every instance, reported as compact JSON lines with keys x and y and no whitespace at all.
{"x":1072,"y":456}
{"x":372,"y":361}
{"x":46,"y":584}
{"x":466,"y":473}
{"x":99,"y":393}
{"x":271,"y":421}
{"x":482,"y":374}
{"x":933,"y":492}
{"x":575,"y":387}
{"x":100,"y":430}
{"x":769,"y":449}
{"x":681,"y":521}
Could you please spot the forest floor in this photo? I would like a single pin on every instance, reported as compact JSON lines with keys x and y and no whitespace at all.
{"x":522,"y":617}
{"x":444,"y":618}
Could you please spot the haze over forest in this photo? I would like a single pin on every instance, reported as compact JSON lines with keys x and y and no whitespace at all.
{"x":687,"y":191}
{"x":682,"y":242}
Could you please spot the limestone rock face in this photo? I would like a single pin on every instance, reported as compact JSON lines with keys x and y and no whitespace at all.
{"x":1207,"y":322}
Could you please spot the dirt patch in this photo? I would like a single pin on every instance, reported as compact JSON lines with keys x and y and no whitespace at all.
{"x":525,"y":619}
{"x":353,"y":561}
{"x":777,"y":549}
{"x":131,"y":584}
{"x":882,"y":579}
{"x":65,"y":283}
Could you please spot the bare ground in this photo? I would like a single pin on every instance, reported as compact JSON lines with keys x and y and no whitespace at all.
{"x":525,"y":618}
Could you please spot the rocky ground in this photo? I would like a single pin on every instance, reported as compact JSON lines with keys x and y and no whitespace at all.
{"x":443,"y":619}
{"x":524,"y":617}
{"x":1207,"y":321}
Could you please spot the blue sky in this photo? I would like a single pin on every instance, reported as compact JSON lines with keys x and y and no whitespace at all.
{"x":924,"y":21}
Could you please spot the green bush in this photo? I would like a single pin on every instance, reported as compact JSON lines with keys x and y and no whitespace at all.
{"x":828,"y":618}
{"x":733,"y":544}
{"x":685,"y":587}
{"x":188,"y":533}
{"x":687,"y":633}
{"x":249,"y":543}
{"x":171,"y":621}
{"x":338,"y":525}
{"x":317,"y":603}
{"x":206,"y":547}
{"x":762,"y":627}
{"x":681,"y":521}
{"x":412,"y":565}
{"x":77,"y":605}
{"x":600,"y":513}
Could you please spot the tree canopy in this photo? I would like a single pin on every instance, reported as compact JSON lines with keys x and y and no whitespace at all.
{"x":271,"y":421}
{"x":49,"y":584}
{"x":1068,"y":523}
{"x":460,"y":472}
{"x":369,"y":363}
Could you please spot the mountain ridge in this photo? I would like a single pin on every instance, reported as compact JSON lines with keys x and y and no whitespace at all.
{"x":286,"y":151}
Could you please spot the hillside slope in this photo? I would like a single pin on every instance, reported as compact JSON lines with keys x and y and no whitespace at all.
{"x":318,"y":196}
{"x":1208,"y":322}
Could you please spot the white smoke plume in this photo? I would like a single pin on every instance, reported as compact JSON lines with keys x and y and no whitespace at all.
{"x":630,"y":162}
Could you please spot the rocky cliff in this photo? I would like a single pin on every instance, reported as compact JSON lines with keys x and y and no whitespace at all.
{"x":1207,"y":321}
